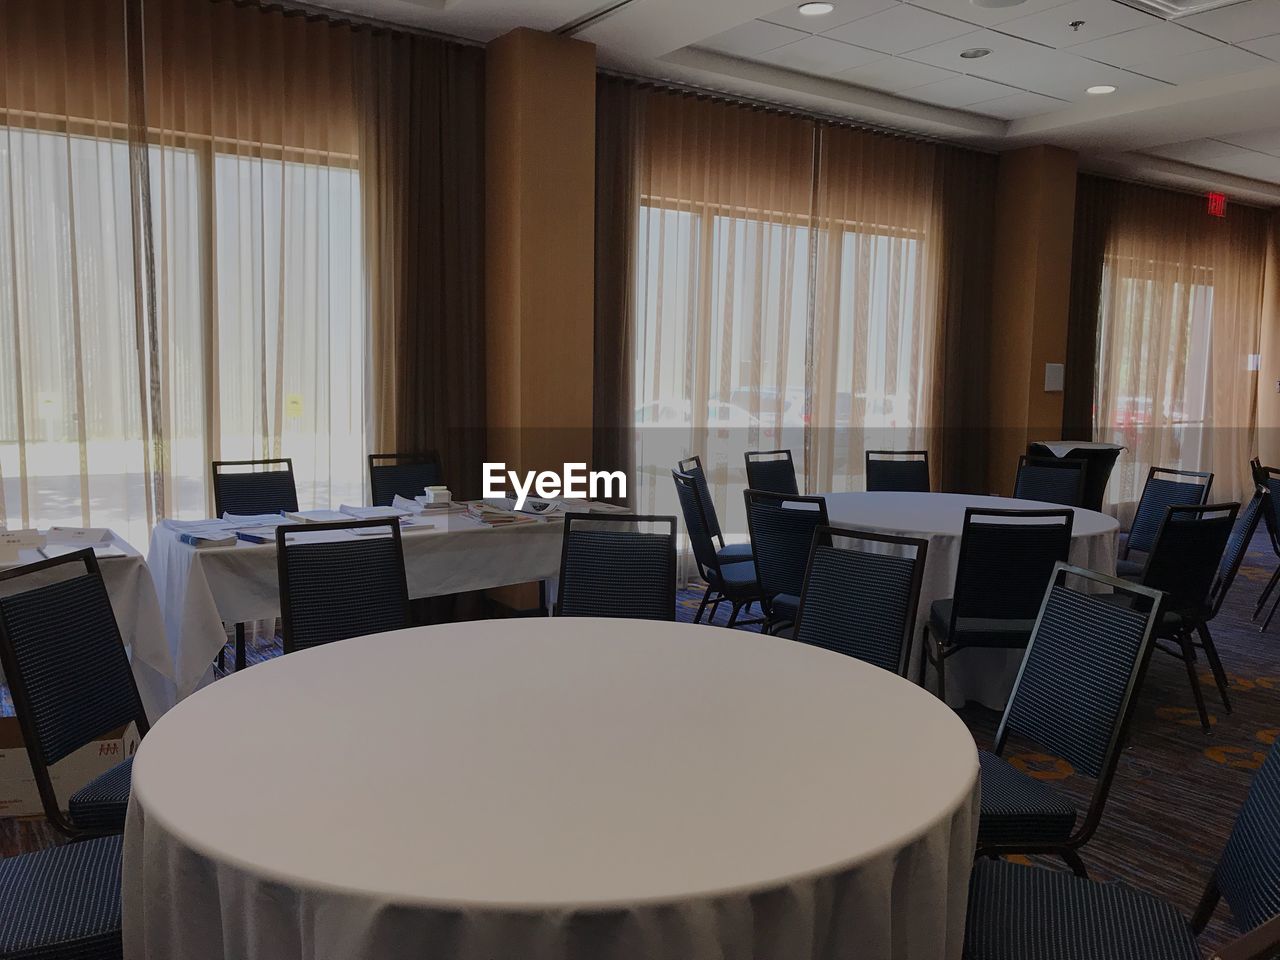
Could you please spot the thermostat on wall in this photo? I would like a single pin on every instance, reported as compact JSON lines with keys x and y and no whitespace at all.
{"x":1053,"y":377}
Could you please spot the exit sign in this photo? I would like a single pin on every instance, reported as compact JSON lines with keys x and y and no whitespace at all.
{"x":1217,"y":204}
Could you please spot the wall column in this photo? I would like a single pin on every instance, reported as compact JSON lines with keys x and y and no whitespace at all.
{"x":1034,"y":225}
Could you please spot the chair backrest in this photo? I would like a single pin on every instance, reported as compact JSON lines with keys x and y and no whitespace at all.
{"x":1050,"y":480}
{"x":66,"y":664}
{"x":693,"y":467}
{"x":904,"y":471}
{"x":1269,"y":477}
{"x":611,"y":566}
{"x":257,"y":489}
{"x":1238,"y":545}
{"x":1187,"y":552}
{"x":695,"y":521}
{"x":1164,"y":488}
{"x":771,"y":470}
{"x":402,"y":473}
{"x":1248,"y":873}
{"x":1075,"y":692}
{"x":1006,"y":560}
{"x":859,"y":602}
{"x":334,"y":589}
{"x":782,"y":528}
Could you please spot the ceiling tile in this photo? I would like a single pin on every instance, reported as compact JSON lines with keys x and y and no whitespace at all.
{"x":820,"y":55}
{"x":947,"y":54}
{"x":1246,"y":163}
{"x":845,"y":10}
{"x":1219,"y":61}
{"x":751,"y":38}
{"x":894,"y":74}
{"x":1144,"y":45}
{"x":900,"y":29}
{"x":1267,"y":46}
{"x":1019,"y":105}
{"x":986,"y":16}
{"x":1101,"y":18}
{"x":1200,"y":152}
{"x":1239,"y":21}
{"x":1264,"y":141}
{"x":960,"y":91}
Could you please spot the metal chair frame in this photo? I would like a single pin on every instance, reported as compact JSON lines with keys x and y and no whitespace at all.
{"x":712,"y":595}
{"x":771,"y":620}
{"x":1081,"y":467}
{"x":1172,"y":473}
{"x":429,"y":458}
{"x":896,"y":456}
{"x":619,"y":518}
{"x":753,"y":457}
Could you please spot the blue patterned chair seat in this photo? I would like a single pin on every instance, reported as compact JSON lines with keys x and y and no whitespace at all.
{"x":1130,"y":569}
{"x":734,"y":553}
{"x":785,"y":606}
{"x":62,"y":903}
{"x":100,"y":805}
{"x":1017,"y":808}
{"x":978,"y":631}
{"x":735,"y":577}
{"x":1031,"y":913}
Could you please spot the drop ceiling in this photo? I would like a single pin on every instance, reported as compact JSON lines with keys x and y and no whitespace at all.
{"x":1196,"y":101}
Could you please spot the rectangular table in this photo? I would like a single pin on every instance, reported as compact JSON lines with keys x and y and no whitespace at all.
{"x":137,"y":609}
{"x":201,"y":589}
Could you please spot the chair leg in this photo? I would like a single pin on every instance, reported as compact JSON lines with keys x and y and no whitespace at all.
{"x":924,"y":655}
{"x":222,"y":659}
{"x":733,"y":614}
{"x":241,"y":655}
{"x":1215,"y":663}
{"x":1189,"y":658}
{"x":941,"y":668}
{"x":1266,"y":593}
{"x":1075,"y":863}
{"x":697,"y":617}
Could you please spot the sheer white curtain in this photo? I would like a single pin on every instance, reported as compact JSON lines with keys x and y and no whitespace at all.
{"x":181,"y":267}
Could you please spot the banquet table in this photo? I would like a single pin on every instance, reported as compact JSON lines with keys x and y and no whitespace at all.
{"x":201,"y":589}
{"x":133,"y":598}
{"x":979,"y":675}
{"x":553,"y":789}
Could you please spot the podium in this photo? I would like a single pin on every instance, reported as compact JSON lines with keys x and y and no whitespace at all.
{"x":1099,"y":458}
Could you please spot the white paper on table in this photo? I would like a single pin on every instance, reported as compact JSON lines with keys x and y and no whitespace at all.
{"x":100,"y":550}
{"x":241,"y":521}
{"x":81,"y":535}
{"x":372,"y":513}
{"x":315,"y":516}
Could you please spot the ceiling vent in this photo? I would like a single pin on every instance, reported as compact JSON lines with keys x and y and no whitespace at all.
{"x":1176,"y":9}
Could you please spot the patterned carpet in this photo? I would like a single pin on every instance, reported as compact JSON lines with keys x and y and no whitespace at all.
{"x":1176,"y":791}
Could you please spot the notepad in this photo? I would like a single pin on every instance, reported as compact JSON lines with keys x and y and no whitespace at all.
{"x":81,"y":535}
{"x":100,"y":550}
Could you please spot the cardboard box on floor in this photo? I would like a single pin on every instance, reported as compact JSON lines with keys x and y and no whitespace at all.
{"x":18,"y":794}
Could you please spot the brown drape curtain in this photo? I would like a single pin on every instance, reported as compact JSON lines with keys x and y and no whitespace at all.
{"x":231,"y":230}
{"x":619,"y":129}
{"x":422,"y":142}
{"x":1088,"y":250}
{"x":1176,"y":332}
{"x":790,"y":282}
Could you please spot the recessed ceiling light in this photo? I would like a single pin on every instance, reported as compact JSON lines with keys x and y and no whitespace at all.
{"x":975,"y":53}
{"x":1100,"y":89}
{"x":815,"y":9}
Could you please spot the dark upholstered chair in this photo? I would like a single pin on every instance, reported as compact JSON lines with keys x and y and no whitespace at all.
{"x":62,"y":903}
{"x":1073,"y":699}
{"x":782,"y":528}
{"x":403,"y":474}
{"x":771,"y":470}
{"x":1006,"y":560}
{"x":1268,"y":477}
{"x":253,"y":486}
{"x":337,"y":589}
{"x":858,"y":602}
{"x":1050,"y":480}
{"x":1021,"y":912}
{"x":610,"y":566}
{"x":903,"y":471}
{"x":247,"y":488}
{"x":732,"y":582}
{"x":728,"y":553}
{"x":1164,"y":488}
{"x":1186,"y":563}
{"x":71,"y":681}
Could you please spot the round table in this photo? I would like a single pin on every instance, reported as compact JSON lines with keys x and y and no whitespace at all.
{"x":553,"y":788}
{"x":982,"y":676}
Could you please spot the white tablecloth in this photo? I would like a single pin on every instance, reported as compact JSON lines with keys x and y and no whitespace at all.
{"x":201,"y":589}
{"x":553,"y":788}
{"x":984,"y":676}
{"x":134,"y":602}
